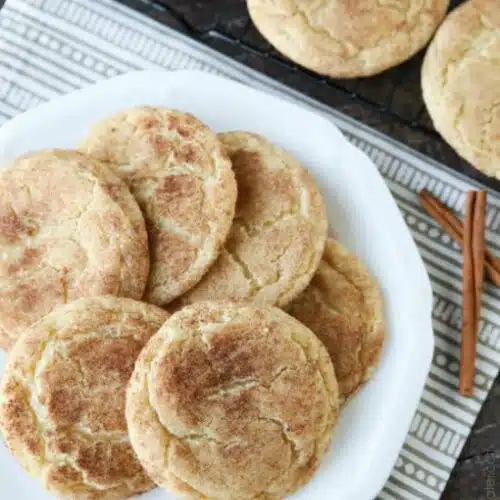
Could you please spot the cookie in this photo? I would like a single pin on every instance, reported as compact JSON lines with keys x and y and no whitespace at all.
{"x":62,"y":406}
{"x":69,"y":228}
{"x":343,"y":307}
{"x":179,"y":173}
{"x":278,"y":233}
{"x":346,"y":39}
{"x":232,"y":401}
{"x":460,"y":77}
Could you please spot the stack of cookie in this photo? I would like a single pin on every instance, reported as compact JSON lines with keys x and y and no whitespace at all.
{"x":175,"y":313}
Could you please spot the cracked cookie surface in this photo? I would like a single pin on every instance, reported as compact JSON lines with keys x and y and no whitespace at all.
{"x":461,"y":83}
{"x":62,"y":397}
{"x":232,"y":401}
{"x":343,"y":307}
{"x":179,"y":173}
{"x":278,"y":233}
{"x":345,"y":38}
{"x":69,"y":228}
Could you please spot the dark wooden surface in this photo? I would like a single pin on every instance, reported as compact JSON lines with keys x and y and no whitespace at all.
{"x":391,"y":103}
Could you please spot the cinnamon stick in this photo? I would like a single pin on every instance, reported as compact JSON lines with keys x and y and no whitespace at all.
{"x":473,"y":269}
{"x":478,"y":249}
{"x":467,"y":351}
{"x":454,"y":227}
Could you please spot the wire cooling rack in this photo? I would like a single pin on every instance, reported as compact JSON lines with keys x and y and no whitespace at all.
{"x":225,"y":23}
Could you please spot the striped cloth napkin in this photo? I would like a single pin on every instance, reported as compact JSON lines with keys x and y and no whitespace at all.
{"x":50,"y":47}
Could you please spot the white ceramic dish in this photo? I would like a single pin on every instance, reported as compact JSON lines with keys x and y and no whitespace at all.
{"x":363,"y":214}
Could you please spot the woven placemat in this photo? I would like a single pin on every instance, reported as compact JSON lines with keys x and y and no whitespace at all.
{"x":50,"y":47}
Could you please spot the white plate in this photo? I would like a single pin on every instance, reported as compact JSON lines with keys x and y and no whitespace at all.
{"x":361,"y":210}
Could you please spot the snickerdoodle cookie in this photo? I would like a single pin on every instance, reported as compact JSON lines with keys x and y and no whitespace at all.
{"x":232,"y":401}
{"x":69,"y":228}
{"x":278,"y":232}
{"x":461,"y":83}
{"x":345,"y":38}
{"x":343,"y":307}
{"x":179,"y":173}
{"x":62,"y":397}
